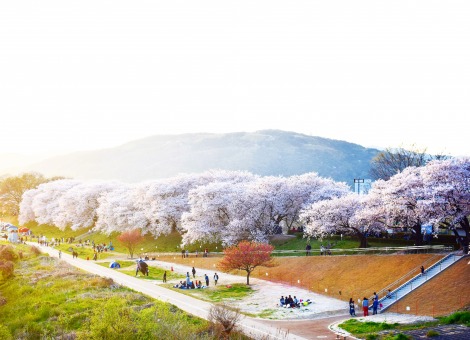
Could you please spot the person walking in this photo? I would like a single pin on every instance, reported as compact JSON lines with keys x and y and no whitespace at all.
{"x":207,"y":280}
{"x":375,"y":305}
{"x":308,"y":248}
{"x":164,"y":277}
{"x":216,"y":278}
{"x":194,"y":272}
{"x":422,"y":270}
{"x":352,"y":310}
{"x":60,"y":254}
{"x":365,"y":306}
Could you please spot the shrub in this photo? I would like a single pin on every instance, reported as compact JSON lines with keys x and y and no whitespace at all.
{"x":432,"y":333}
{"x":401,"y":336}
{"x":7,"y":253}
{"x":35,"y":250}
{"x":372,"y":336}
{"x":6,"y":268}
{"x":462,"y":317}
{"x":227,"y":319}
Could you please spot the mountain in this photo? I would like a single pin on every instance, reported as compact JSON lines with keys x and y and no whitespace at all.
{"x":266,"y":152}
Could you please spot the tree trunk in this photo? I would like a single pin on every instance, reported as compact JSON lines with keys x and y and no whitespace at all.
{"x":362,"y":240}
{"x":463,"y":240}
{"x":417,"y":235}
{"x":248,"y":278}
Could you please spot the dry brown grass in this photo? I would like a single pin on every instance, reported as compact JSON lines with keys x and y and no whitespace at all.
{"x":447,"y":292}
{"x":342,"y":276}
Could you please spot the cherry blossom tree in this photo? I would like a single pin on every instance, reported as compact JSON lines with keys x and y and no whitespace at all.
{"x":445,"y":197}
{"x":117,"y":212}
{"x":338,"y":215}
{"x":401,"y":195}
{"x":246,"y":256}
{"x":42,"y":204}
{"x":253,"y":209}
{"x":78,"y":205}
{"x":165,"y":201}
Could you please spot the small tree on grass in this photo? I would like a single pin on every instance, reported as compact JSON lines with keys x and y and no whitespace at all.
{"x":130,"y":239}
{"x":247,"y":256}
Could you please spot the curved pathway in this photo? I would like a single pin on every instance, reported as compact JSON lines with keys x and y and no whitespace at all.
{"x":255,"y":328}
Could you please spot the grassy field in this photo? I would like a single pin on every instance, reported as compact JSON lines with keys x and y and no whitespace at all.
{"x":46,"y":299}
{"x":373,"y":330}
{"x":218,"y":293}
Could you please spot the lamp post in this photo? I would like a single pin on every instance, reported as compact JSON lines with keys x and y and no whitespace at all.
{"x":357,"y":185}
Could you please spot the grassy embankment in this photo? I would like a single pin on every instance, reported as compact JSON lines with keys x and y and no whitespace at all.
{"x":46,"y":298}
{"x":354,"y":276}
{"x":375,"y":330}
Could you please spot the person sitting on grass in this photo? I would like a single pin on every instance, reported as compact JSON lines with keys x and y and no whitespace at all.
{"x":282,"y":302}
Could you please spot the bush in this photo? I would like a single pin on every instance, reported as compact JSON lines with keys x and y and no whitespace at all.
{"x":401,"y":336}
{"x":224,"y":317}
{"x":458,"y":318}
{"x":35,"y":250}
{"x":6,"y":268}
{"x":372,"y":336}
{"x":432,"y":333}
{"x":7,"y":253}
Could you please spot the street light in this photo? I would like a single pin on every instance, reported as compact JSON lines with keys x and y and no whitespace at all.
{"x":357,"y":184}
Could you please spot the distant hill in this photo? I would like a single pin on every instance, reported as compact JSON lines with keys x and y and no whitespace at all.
{"x":267,"y":152}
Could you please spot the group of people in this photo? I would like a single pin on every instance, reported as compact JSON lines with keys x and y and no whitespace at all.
{"x":185,"y":253}
{"x":293,"y":302}
{"x":189,"y":284}
{"x":365,"y":305}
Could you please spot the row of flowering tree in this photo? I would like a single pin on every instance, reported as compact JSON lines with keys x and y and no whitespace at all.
{"x":226,"y":206}
{"x":437,"y":194}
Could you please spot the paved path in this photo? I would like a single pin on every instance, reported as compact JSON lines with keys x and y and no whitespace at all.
{"x":251,"y":327}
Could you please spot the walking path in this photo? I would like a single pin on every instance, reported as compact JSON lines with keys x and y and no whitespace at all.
{"x":250,"y":326}
{"x":316,"y":321}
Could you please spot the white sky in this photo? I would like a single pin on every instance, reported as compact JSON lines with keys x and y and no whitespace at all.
{"x":80,"y":75}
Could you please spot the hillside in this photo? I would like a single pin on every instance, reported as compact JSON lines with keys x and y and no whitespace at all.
{"x":449,"y":291}
{"x":343,"y":277}
{"x":268,"y":152}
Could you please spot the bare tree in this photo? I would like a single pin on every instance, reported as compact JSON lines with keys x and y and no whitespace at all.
{"x":226,"y":318}
{"x":392,"y":161}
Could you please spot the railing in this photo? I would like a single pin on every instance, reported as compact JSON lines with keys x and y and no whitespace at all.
{"x":316,"y":252}
{"x":416,"y":276}
{"x":408,"y":276}
{"x":377,"y":250}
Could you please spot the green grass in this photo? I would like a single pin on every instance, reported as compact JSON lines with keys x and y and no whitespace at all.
{"x":219,"y":293}
{"x":356,"y":327}
{"x":123,"y":264}
{"x":48,"y":299}
{"x":299,"y":242}
{"x":265,"y":314}
{"x":369,"y":329}
{"x":155,"y":273}
{"x":150,"y":245}
{"x":461,"y":317}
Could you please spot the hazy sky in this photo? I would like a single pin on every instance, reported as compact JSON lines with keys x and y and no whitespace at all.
{"x":79,"y":75}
